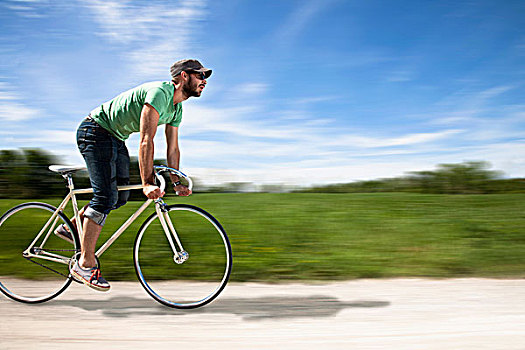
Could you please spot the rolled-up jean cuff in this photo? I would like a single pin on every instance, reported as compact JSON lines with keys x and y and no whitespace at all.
{"x":98,"y":217}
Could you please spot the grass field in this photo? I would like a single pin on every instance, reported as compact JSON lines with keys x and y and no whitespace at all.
{"x":315,"y":236}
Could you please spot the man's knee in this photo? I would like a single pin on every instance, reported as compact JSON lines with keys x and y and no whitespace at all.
{"x":122,"y":199}
{"x":98,"y":217}
{"x":100,"y":206}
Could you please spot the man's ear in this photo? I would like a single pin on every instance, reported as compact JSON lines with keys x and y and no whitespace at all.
{"x":184,"y":75}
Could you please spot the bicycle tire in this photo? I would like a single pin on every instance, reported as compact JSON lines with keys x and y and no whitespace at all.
{"x":34,"y":280}
{"x":201,"y":278}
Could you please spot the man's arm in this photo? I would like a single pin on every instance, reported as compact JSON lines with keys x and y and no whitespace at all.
{"x":149,"y":118}
{"x":173,"y":157}
{"x":173,"y":152}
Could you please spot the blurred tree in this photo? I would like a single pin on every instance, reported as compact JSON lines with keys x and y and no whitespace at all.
{"x":25,"y":174}
{"x":469,"y":177}
{"x":464,"y":178}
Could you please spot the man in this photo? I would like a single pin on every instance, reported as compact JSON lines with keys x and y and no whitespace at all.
{"x":100,"y":139}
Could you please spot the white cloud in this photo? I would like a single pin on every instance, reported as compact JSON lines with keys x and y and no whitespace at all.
{"x":251,"y":89}
{"x":237,"y":121}
{"x":12,"y":108}
{"x":229,"y":140}
{"x":505,"y":157}
{"x":152,"y":35}
{"x":316,"y":99}
{"x":378,"y":141}
{"x":471,"y":101}
{"x":299,"y":19}
{"x":400,"y":76}
{"x":27,"y":8}
{"x":51,"y":136}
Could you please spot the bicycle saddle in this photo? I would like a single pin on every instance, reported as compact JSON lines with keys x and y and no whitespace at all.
{"x":66,"y":169}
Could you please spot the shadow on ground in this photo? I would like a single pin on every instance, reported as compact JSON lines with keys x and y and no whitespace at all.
{"x":248,"y":308}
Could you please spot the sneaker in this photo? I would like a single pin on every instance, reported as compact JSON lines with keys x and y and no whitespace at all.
{"x":90,"y":277}
{"x":62,"y":232}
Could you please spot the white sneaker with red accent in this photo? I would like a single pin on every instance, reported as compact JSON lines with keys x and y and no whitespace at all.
{"x":90,"y":277}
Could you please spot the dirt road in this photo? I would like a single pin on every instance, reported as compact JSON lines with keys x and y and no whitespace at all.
{"x":361,"y":314}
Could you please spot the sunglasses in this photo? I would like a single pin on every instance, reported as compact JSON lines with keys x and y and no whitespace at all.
{"x":200,"y":75}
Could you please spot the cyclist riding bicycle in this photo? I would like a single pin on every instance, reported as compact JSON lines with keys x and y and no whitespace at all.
{"x":101,"y":140}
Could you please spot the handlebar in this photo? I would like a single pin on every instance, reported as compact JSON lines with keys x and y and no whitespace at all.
{"x":159,"y":169}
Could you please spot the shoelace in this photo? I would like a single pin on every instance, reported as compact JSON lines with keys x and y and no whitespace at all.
{"x":95,"y":275}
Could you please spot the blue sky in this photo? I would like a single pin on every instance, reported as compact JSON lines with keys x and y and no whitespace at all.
{"x":312,"y":91}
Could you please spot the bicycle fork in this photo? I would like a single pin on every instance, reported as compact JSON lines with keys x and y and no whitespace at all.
{"x":180,"y":255}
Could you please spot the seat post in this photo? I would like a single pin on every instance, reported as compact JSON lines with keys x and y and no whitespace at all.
{"x":69,"y":179}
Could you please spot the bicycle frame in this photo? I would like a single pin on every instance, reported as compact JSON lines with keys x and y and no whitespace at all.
{"x":164,"y":219}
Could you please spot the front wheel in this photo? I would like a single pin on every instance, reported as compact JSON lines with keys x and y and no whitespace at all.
{"x":190,"y":267}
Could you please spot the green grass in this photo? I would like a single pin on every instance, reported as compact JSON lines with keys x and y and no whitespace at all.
{"x":315,"y":236}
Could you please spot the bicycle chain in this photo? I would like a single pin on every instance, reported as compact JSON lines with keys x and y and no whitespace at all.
{"x":49,"y":268}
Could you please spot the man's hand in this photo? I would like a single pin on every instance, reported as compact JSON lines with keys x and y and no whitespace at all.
{"x":182,"y":190}
{"x":152,"y":192}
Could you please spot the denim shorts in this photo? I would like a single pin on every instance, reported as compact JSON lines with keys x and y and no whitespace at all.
{"x":107,"y":161}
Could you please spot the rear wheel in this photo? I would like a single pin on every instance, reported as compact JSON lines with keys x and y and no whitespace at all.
{"x":187,"y":279}
{"x":34,"y":273}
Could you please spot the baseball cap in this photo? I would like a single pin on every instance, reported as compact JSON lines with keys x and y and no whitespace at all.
{"x":189,"y":65}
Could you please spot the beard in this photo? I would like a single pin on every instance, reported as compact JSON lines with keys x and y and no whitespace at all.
{"x":191,"y":88}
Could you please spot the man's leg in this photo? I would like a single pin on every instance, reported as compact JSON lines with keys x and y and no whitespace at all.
{"x":91,"y":231}
{"x":86,"y":269}
{"x":63,"y":231}
{"x":99,"y":150}
{"x":81,"y":215}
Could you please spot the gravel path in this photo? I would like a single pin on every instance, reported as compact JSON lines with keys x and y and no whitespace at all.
{"x":361,"y":314}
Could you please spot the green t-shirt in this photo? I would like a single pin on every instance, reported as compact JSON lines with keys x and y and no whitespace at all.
{"x":121,"y":115}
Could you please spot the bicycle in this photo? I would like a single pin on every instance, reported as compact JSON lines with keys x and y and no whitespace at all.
{"x":201,"y":267}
